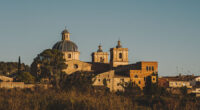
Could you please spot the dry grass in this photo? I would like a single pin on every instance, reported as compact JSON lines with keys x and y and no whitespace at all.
{"x":51,"y":99}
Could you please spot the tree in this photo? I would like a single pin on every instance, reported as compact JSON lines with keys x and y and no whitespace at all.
{"x":81,"y":81}
{"x":49,"y":65}
{"x":183,"y":90}
{"x":131,"y":89}
{"x":25,"y":77}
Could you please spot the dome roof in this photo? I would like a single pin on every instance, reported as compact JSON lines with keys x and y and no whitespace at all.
{"x":65,"y":31}
{"x":66,"y":46}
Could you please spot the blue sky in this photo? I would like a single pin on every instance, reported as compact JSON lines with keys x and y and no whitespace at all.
{"x":157,"y":30}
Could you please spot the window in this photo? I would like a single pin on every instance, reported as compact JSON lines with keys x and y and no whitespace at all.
{"x":152,"y":68}
{"x":136,"y":76}
{"x":101,"y":60}
{"x":153,"y":79}
{"x":99,"y":80}
{"x":69,"y":55}
{"x":75,"y":66}
{"x":139,"y":82}
{"x":120,"y":55}
{"x":147,"y":68}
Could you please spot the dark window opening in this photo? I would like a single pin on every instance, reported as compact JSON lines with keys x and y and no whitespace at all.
{"x":120,"y":55}
{"x":75,"y":66}
{"x":101,"y":60}
{"x":69,"y":55}
{"x":147,"y":68}
{"x":152,"y":68}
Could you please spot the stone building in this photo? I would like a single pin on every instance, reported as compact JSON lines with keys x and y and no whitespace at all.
{"x":100,"y":56}
{"x":118,"y":55}
{"x":71,"y":54}
{"x":113,"y":73}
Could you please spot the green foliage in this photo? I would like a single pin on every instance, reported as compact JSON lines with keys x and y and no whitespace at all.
{"x":183,"y":90}
{"x":131,"y":89}
{"x":10,"y":68}
{"x":25,"y":77}
{"x":49,"y":64}
{"x":154,"y":89}
{"x":81,"y":81}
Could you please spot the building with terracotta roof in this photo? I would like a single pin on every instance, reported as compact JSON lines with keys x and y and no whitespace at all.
{"x":113,"y":72}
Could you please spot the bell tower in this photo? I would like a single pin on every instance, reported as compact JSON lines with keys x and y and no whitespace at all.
{"x":100,"y":56}
{"x":118,"y":55}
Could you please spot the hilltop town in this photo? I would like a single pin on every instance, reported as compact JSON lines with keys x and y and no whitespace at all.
{"x":60,"y":67}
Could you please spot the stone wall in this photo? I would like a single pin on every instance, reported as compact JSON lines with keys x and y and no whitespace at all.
{"x":21,"y":85}
{"x":76,"y":65}
{"x":6,"y":79}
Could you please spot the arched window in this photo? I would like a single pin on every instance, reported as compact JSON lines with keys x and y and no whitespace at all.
{"x":69,"y":55}
{"x":75,"y":66}
{"x":147,"y":68}
{"x":136,"y":76}
{"x":152,"y":68}
{"x":101,"y":60}
{"x":120,"y":55}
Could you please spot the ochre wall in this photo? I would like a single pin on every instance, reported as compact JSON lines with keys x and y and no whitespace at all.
{"x":115,"y":60}
{"x":96,"y":56}
{"x":141,"y":74}
{"x":74,"y":56}
{"x":82,"y":66}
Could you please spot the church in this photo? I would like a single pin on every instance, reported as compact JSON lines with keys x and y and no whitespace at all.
{"x":115,"y":72}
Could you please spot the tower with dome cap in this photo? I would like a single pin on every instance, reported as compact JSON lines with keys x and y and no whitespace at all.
{"x":69,"y":48}
{"x":71,"y":54}
{"x":100,"y":56}
{"x":118,"y":55}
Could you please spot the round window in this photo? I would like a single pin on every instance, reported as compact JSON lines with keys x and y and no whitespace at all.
{"x":75,"y":66}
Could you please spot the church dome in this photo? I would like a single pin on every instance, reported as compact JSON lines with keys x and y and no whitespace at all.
{"x":66,"y":46}
{"x":65,"y":31}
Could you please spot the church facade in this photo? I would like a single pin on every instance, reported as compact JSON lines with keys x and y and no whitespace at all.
{"x":113,"y":72}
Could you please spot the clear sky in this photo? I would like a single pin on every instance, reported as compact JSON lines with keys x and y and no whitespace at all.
{"x":167,"y":31}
